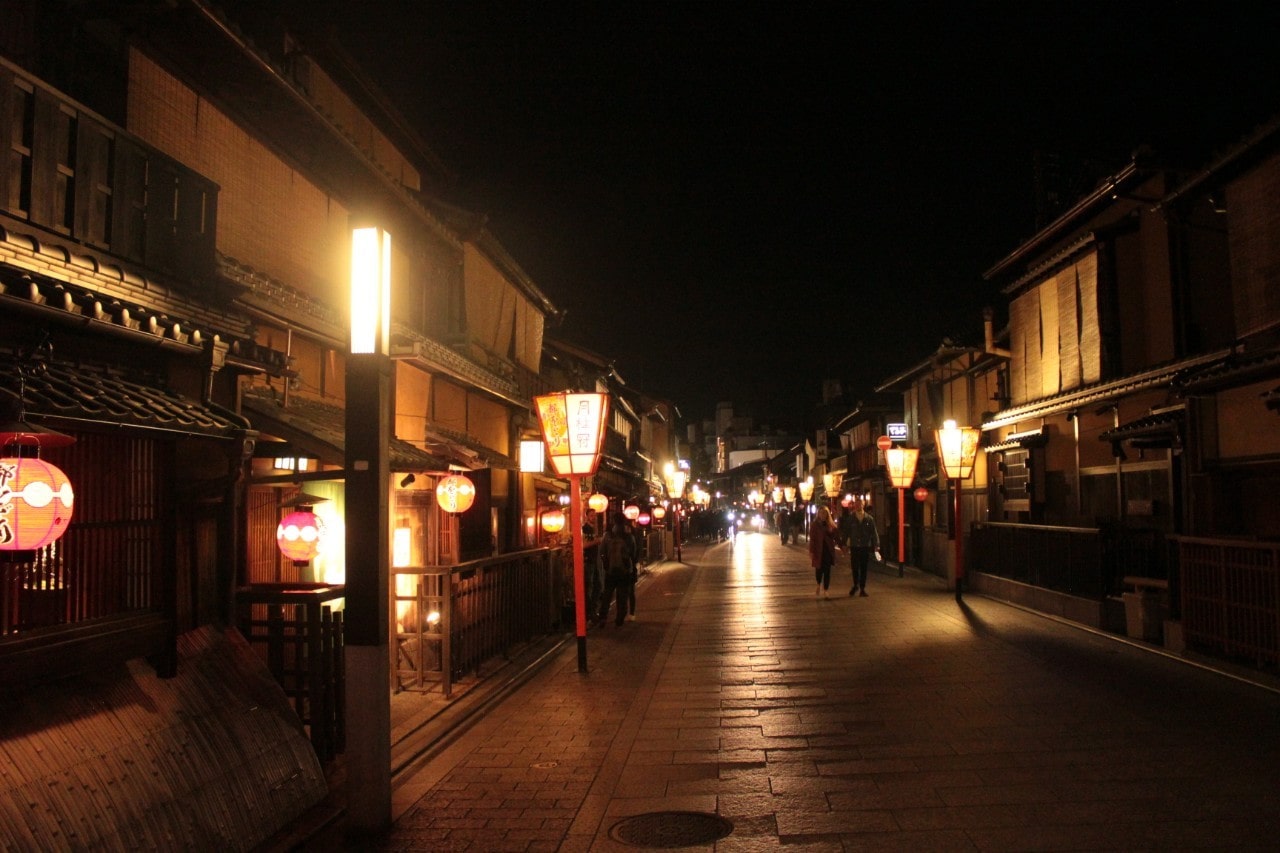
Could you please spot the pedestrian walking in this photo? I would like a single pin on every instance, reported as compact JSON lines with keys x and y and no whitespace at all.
{"x":633,"y":570}
{"x":784,"y":525}
{"x":858,"y":533}
{"x":617,"y":553}
{"x":822,"y":549}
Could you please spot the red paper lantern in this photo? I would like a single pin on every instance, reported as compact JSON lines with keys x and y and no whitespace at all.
{"x":36,"y":501}
{"x":643,"y":519}
{"x":921,"y":494}
{"x":455,"y":493}
{"x":300,"y":535}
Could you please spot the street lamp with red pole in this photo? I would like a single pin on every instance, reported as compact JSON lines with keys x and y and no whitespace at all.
{"x":900,"y":463}
{"x":957,"y":449}
{"x":676,"y":478}
{"x":573,"y":426}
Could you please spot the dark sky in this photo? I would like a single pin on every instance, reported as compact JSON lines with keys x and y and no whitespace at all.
{"x":737,"y":200}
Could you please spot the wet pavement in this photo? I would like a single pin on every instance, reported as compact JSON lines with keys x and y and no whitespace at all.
{"x":742,"y":712}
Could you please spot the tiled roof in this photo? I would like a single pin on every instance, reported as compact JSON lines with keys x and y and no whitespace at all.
{"x":320,"y":429}
{"x":465,"y":450}
{"x":97,"y":394}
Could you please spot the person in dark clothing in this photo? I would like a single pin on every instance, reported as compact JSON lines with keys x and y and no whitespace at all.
{"x":617,"y":555}
{"x":858,"y":533}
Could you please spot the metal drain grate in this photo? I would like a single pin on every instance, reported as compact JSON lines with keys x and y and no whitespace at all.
{"x":670,"y":829}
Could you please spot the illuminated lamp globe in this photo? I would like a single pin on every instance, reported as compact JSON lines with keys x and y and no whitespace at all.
{"x":659,"y":513}
{"x":631,"y":511}
{"x":921,"y":494}
{"x":455,"y":493}
{"x":553,"y":521}
{"x":36,"y":501}
{"x":643,"y":519}
{"x":598,"y":502}
{"x":300,"y":535}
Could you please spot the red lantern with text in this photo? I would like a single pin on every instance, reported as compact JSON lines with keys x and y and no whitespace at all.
{"x":300,"y":535}
{"x":643,"y":519}
{"x":455,"y":493}
{"x":36,"y":501}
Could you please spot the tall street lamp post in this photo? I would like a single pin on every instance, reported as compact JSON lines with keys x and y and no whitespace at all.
{"x":368,"y":534}
{"x":676,"y":478}
{"x":573,"y":426}
{"x":900,"y":463}
{"x":957,"y":448}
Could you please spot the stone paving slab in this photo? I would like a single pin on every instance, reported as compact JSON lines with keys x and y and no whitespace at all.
{"x":899,"y":721}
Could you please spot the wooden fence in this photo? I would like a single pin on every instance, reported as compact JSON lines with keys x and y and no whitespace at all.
{"x":300,"y":638}
{"x":457,"y":617}
{"x":1230,"y":593}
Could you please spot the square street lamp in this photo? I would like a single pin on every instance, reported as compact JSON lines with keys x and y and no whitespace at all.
{"x":676,"y":478}
{"x":573,"y":426}
{"x":957,"y":449}
{"x":900,"y":463}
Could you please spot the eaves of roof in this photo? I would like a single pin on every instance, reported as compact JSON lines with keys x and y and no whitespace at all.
{"x":320,"y":430}
{"x":1086,"y":206}
{"x":1102,"y":392}
{"x":88,"y":395}
{"x":1161,"y":424}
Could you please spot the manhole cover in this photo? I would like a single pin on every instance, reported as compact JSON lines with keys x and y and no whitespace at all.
{"x":670,"y":829}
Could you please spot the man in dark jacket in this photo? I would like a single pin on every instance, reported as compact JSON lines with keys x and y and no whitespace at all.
{"x":859,"y":535}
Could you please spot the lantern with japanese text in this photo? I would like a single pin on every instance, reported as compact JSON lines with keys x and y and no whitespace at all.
{"x":36,"y":497}
{"x":598,"y":502}
{"x":455,"y":493}
{"x":300,"y":535}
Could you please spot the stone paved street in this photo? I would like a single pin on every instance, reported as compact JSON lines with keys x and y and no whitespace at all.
{"x":902,"y":720}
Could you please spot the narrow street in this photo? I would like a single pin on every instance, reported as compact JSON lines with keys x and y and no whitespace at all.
{"x":741,"y":707}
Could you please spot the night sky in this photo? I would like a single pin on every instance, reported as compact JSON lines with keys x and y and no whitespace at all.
{"x":737,"y":200}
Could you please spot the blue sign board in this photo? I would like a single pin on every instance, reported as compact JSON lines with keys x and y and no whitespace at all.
{"x":897,"y":432}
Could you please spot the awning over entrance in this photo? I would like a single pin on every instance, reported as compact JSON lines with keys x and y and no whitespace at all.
{"x":81,"y":395}
{"x":319,"y":429}
{"x":1160,"y":428}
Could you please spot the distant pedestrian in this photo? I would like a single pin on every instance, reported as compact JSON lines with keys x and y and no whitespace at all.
{"x":633,"y":571}
{"x":858,"y":533}
{"x":822,"y":549}
{"x":784,"y":524}
{"x":618,"y":556}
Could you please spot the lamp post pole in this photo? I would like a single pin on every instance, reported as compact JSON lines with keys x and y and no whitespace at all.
{"x":579,"y":570}
{"x":368,"y":536}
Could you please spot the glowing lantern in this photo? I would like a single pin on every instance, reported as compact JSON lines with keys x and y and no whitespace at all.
{"x":573,"y":426}
{"x":300,"y":535}
{"x":806,"y":489}
{"x":553,"y":521}
{"x":36,"y":500}
{"x":36,"y":497}
{"x":643,"y":519}
{"x":831,"y":482}
{"x":789,"y":492}
{"x":598,"y":502}
{"x":659,"y":512}
{"x":631,"y":511}
{"x":921,"y":494}
{"x":455,"y":493}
